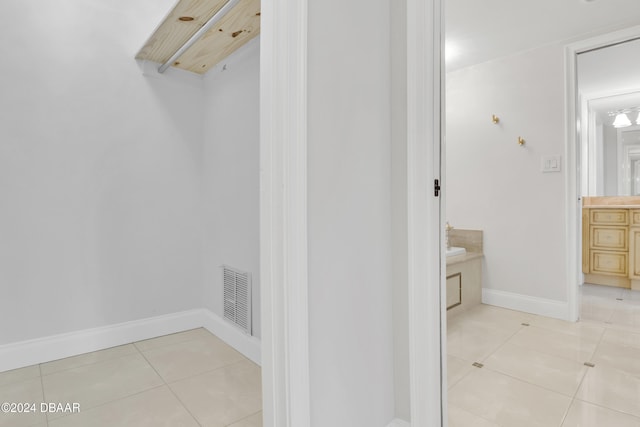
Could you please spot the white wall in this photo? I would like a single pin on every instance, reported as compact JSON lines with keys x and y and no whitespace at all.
{"x":495,"y":185}
{"x":609,"y":70}
{"x":99,"y":171}
{"x":231,"y":174}
{"x":610,"y":149}
{"x":399,"y":214}
{"x":351,"y":344}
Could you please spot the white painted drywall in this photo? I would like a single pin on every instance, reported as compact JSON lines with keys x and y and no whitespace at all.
{"x":495,"y":185}
{"x":399,"y":214}
{"x":231,"y":184}
{"x":349,"y":152}
{"x":612,"y":69}
{"x":610,"y":152}
{"x":99,"y":171}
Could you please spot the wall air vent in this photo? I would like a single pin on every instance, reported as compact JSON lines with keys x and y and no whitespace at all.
{"x":237,"y":297}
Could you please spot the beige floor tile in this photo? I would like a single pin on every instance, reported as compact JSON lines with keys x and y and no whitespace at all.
{"x":557,"y":344}
{"x":551,"y":372}
{"x":456,"y":369}
{"x":579,"y":329}
{"x":177,"y":361}
{"x":495,"y":318}
{"x":602,"y":291}
{"x":87,"y":359}
{"x":621,"y":337}
{"x":29,"y":391}
{"x":473,"y":342}
{"x":99,"y":383}
{"x":628,"y":317}
{"x":170,"y":339}
{"x":223,"y":396}
{"x":583,"y":414}
{"x":460,"y":418}
{"x":612,"y":389}
{"x":17,"y":375}
{"x":631,"y":295}
{"x":253,"y":421}
{"x":623,"y":358}
{"x":507,"y":401}
{"x":157,"y":407}
{"x":596,"y":310}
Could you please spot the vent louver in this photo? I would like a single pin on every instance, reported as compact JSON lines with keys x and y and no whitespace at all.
{"x":237,"y":297}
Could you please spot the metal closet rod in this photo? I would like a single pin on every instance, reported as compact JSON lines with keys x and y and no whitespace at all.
{"x":194,"y":38}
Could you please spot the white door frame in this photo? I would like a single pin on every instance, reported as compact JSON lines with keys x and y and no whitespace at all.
{"x":573,"y":217}
{"x":425,"y":234}
{"x":283,"y":213}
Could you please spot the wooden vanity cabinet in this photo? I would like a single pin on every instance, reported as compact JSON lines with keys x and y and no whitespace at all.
{"x":611,"y":246}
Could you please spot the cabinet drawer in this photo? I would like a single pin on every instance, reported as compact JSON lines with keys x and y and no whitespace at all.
{"x":635,"y":216}
{"x":454,"y":290}
{"x":611,"y":238}
{"x":611,"y":263}
{"x":609,"y":216}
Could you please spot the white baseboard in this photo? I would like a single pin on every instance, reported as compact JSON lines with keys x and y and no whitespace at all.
{"x":528,"y":304}
{"x":247,"y":345}
{"x":41,"y":350}
{"x":399,"y":423}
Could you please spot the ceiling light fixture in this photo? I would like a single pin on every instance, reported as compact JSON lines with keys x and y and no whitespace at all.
{"x":621,"y":121}
{"x":194,"y":38}
{"x":638,"y":119}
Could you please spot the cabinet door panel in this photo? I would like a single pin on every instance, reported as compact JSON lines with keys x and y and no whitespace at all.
{"x":609,"y":216}
{"x":611,"y":238}
{"x":585,"y":241}
{"x":612,"y":263}
{"x":635,"y":217}
{"x":634,"y":253}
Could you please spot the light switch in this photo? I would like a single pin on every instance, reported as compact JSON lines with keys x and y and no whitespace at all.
{"x":551,"y":163}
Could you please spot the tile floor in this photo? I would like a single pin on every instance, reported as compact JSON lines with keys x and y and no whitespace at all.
{"x":534,"y":371}
{"x":533,"y":374}
{"x":188,"y":379}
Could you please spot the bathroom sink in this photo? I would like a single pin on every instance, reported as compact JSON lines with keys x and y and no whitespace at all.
{"x":453,"y":251}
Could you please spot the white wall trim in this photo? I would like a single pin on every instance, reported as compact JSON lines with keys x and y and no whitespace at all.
{"x":246,"y":344}
{"x":572,"y":158}
{"x":46,"y":349}
{"x":399,"y":423}
{"x":526,"y":303}
{"x":426,"y":285}
{"x":283,"y":214}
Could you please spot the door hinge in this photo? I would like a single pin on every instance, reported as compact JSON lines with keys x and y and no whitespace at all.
{"x":436,"y":187}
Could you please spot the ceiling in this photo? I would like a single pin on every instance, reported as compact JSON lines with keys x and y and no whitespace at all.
{"x":481,"y":30}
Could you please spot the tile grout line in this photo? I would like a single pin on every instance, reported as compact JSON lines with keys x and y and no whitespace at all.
{"x":495,"y":350}
{"x":122,"y":356}
{"x":133,"y":343}
{"x":205,"y":372}
{"x":244,"y":418}
{"x":546,"y":389}
{"x":609,"y":408}
{"x":111,"y":401}
{"x":172,"y":343}
{"x":44,"y":398}
{"x":137,"y":352}
{"x":171,"y":390}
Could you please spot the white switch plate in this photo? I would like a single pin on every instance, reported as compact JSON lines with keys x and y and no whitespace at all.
{"x":551,"y":163}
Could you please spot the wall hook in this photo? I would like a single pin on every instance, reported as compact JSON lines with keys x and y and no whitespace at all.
{"x":521,"y":141}
{"x":495,"y":119}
